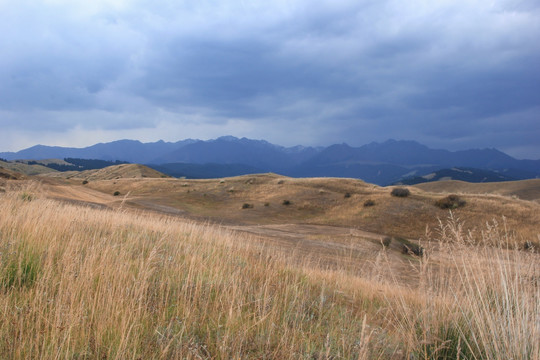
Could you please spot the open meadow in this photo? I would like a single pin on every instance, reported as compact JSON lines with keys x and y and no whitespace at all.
{"x":180,"y":269}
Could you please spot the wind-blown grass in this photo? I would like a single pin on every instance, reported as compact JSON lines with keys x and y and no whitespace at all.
{"x":77,"y":282}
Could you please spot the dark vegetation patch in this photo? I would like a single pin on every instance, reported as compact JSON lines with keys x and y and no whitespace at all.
{"x":369,"y":203}
{"x":410,"y":248}
{"x":400,"y":192}
{"x":450,"y":202}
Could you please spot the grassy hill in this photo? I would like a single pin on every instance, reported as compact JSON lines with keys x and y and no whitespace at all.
{"x":523,"y":189}
{"x":122,"y":171}
{"x":25,"y":168}
{"x":10,"y":174}
{"x":259,"y":200}
{"x":460,"y":174}
{"x":81,"y":282}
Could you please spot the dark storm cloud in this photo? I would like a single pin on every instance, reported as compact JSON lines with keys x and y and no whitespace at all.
{"x":454,"y":73}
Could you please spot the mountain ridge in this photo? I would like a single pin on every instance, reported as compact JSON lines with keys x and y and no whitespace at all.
{"x":380,"y":163}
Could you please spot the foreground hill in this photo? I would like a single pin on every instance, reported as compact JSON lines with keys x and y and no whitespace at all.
{"x":77,"y":282}
{"x":111,"y":172}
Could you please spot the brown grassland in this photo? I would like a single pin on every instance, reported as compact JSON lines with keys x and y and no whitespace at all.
{"x":85,"y":274}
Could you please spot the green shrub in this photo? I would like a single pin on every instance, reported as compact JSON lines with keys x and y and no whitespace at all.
{"x":347,"y":195}
{"x":450,"y":202}
{"x":247,"y":206}
{"x":387,"y":241}
{"x":400,"y":192}
{"x":85,"y":182}
{"x":116,"y":193}
{"x":26,"y":196}
{"x":286,"y":202}
{"x":266,"y":204}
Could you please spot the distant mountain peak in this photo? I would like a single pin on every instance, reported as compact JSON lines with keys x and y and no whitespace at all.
{"x":228,"y":138}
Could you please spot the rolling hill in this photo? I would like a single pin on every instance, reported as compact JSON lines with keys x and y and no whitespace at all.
{"x":26,"y":169}
{"x":463,"y":174}
{"x":10,"y":174}
{"x":523,"y":189}
{"x":318,"y":201}
{"x":124,"y":171}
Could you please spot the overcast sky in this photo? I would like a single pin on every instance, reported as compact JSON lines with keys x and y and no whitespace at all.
{"x":451,"y":74}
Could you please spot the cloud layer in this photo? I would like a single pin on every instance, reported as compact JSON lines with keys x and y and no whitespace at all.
{"x":451,"y":74}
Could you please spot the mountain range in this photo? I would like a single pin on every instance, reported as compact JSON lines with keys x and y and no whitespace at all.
{"x":379,"y":163}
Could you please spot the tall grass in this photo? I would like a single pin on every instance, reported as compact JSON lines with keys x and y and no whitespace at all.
{"x":83,"y":283}
{"x":475,"y":300}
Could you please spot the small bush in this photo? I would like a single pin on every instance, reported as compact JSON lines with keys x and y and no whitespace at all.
{"x":116,"y":193}
{"x":369,"y":203}
{"x":247,"y":206}
{"x":386,"y":241}
{"x":280,"y":182}
{"x":410,"y":248}
{"x":400,"y":192}
{"x":450,"y":202}
{"x":286,"y":202}
{"x":347,"y":195}
{"x":26,"y":196}
{"x":85,"y":182}
{"x":266,"y":204}
{"x":531,"y":246}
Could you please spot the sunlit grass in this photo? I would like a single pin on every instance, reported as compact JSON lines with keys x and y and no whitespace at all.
{"x":82,"y":283}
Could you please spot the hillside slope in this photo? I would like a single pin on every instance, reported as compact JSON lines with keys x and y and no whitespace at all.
{"x":123,"y":171}
{"x":25,"y":168}
{"x":273,"y":199}
{"x":523,"y":189}
{"x":10,"y":174}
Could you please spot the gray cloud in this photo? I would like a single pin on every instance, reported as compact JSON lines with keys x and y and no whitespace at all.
{"x":456,"y":73}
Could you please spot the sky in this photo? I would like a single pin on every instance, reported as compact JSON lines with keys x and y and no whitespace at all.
{"x":451,"y":74}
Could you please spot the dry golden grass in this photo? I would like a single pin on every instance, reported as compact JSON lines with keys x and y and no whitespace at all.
{"x":78,"y":282}
{"x":25,"y":168}
{"x":524,"y":189}
{"x":319,"y":201}
{"x":123,"y":171}
{"x":10,"y":174}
